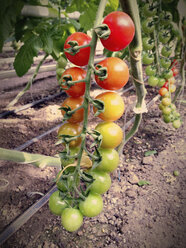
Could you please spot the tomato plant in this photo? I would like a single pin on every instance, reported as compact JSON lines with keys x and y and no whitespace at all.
{"x":117,"y":74}
{"x":82,"y":56}
{"x":92,"y":205}
{"x":111,"y":133}
{"x":73,"y":103}
{"x":71,"y":219}
{"x":113,"y":106}
{"x":75,"y":74}
{"x":122,"y":31}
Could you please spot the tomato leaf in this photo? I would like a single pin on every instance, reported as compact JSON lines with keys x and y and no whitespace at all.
{"x":88,"y":16}
{"x":149,"y":153}
{"x":24,"y":58}
{"x":143,"y":182}
{"x":9,"y":11}
{"x":47,"y":42}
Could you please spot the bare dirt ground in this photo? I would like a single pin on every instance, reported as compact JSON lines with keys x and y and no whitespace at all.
{"x":151,"y":216}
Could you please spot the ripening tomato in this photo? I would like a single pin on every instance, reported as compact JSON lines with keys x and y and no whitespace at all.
{"x":71,"y":219}
{"x":82,"y":56}
{"x":163,"y":91}
{"x":92,"y":205}
{"x":122,"y":31}
{"x":56,"y":203}
{"x":172,"y":88}
{"x":118,"y":74}
{"x":175,"y":71}
{"x":73,"y":130}
{"x":172,"y":80}
{"x":73,"y":103}
{"x":110,"y":160}
{"x":112,"y":134}
{"x":77,"y":74}
{"x":102,"y":182}
{"x":114,"y":106}
{"x":166,"y":101}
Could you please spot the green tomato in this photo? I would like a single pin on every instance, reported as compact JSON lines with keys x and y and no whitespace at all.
{"x":148,"y":43}
{"x":166,"y":51}
{"x":153,"y":81}
{"x":71,"y":219}
{"x":148,"y":25}
{"x":92,"y":205}
{"x":101,"y":183}
{"x":165,"y":17}
{"x":161,"y":106}
{"x":165,"y":62}
{"x":57,"y":204}
{"x":110,"y":160}
{"x":147,"y":58}
{"x":161,"y":82}
{"x":164,"y":36}
{"x":150,"y":70}
{"x":176,"y":124}
{"x":61,"y":63}
{"x":168,"y":74}
{"x":167,"y":118}
{"x":176,"y":115}
{"x":166,"y":110}
{"x":149,"y":10}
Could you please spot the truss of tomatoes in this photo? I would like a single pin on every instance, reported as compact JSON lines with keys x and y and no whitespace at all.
{"x":121,"y":34}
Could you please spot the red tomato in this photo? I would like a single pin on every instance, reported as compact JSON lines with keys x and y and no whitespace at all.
{"x":77,"y":74}
{"x":81,"y":58}
{"x":114,"y":106}
{"x":122,"y":31}
{"x":118,"y":74}
{"x":73,"y":103}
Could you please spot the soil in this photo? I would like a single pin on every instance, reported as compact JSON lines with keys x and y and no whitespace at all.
{"x":149,"y":216}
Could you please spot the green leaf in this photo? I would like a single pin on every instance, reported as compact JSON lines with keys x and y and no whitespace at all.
{"x":143,"y":182}
{"x":9,"y":11}
{"x":47,"y":42}
{"x":112,"y":5}
{"x":24,"y":58}
{"x":149,"y":153}
{"x":87,"y":18}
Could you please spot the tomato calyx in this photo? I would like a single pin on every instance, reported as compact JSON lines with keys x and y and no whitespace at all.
{"x":67,"y":81}
{"x":102,"y":31}
{"x":100,"y":71}
{"x":74,"y":47}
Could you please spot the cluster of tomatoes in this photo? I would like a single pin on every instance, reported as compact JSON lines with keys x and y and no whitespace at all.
{"x":157,"y":52}
{"x":110,"y":74}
